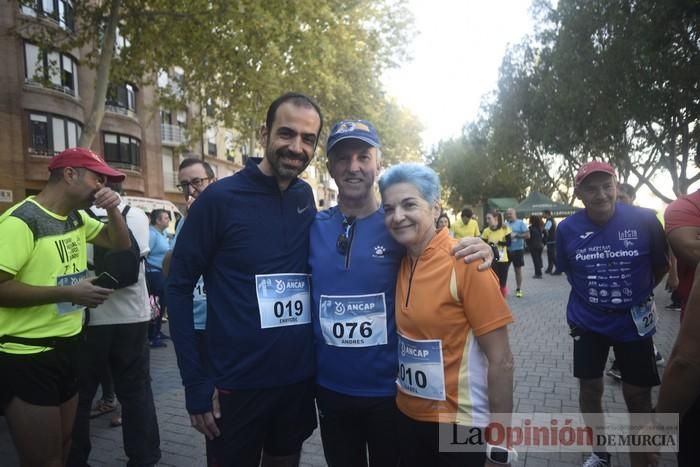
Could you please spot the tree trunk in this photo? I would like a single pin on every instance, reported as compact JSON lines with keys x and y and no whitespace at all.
{"x":97,"y":111}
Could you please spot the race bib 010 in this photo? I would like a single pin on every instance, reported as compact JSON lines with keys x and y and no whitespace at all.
{"x":353,"y":320}
{"x":421,"y":371}
{"x":283,"y":299}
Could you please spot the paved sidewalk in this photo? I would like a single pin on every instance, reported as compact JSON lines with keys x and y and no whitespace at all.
{"x":543,"y":376}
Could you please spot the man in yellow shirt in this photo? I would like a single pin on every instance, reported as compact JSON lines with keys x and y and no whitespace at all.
{"x":43,"y":292}
{"x":466,"y":226}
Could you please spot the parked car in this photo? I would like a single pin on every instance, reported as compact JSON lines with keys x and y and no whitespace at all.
{"x":149,"y":204}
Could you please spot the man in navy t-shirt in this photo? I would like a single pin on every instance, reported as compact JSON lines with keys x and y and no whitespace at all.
{"x":613,"y":255}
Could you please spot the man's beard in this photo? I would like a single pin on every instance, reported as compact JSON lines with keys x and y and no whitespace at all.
{"x":276,"y":160}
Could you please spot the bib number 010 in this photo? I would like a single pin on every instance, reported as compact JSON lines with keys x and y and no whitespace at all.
{"x":291,"y":308}
{"x":408,"y":376}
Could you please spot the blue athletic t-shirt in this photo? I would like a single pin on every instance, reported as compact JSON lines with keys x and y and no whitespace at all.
{"x":518,"y":227}
{"x":353,"y":305}
{"x":610,"y":268}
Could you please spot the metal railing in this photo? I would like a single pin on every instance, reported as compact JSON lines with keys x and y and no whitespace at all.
{"x":172,"y":134}
{"x":117,"y":109}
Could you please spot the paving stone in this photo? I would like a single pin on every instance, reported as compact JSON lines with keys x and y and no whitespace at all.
{"x":543,"y":378}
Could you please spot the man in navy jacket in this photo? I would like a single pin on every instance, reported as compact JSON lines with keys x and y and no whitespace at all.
{"x":248,"y":235}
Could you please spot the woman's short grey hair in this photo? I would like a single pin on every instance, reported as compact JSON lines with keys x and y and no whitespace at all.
{"x":423,"y":178}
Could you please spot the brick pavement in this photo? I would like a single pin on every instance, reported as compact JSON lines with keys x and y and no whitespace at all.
{"x":543,"y":376}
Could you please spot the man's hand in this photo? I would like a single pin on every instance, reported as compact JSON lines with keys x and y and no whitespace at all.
{"x":473,"y":249}
{"x":88,"y":294}
{"x":106,"y":198}
{"x":205,"y":423}
{"x":189,"y":201}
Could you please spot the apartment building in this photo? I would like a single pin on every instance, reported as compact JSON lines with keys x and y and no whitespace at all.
{"x":45,"y":97}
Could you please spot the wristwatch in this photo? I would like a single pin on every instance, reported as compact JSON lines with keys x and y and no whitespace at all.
{"x":500,"y":455}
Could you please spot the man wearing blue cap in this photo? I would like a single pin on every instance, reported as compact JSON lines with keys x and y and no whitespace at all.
{"x":354,"y":262}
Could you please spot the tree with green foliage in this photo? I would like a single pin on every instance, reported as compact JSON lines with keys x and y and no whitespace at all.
{"x":474,"y":169}
{"x":614,"y":80}
{"x":237,"y":56}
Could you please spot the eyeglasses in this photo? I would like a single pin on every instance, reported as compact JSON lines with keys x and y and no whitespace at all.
{"x":343,"y":242}
{"x":195,"y":183}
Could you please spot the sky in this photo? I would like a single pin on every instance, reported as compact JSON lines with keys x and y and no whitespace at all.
{"x":456,"y":56}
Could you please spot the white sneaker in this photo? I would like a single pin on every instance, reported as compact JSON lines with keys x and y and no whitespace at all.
{"x":596,"y":461}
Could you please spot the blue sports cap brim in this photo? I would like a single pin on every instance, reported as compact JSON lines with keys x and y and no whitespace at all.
{"x":369,"y":141}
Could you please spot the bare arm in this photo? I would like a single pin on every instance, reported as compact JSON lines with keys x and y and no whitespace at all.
{"x":681,"y":383}
{"x":14,"y":294}
{"x":500,"y":372}
{"x":685,"y":244}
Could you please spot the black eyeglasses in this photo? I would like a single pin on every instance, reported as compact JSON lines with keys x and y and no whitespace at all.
{"x":343,"y":242}
{"x":195,"y":183}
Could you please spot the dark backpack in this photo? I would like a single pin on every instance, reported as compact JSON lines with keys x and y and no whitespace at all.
{"x":123,"y":265}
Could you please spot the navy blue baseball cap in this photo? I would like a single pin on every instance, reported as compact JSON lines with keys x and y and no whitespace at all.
{"x":353,"y":129}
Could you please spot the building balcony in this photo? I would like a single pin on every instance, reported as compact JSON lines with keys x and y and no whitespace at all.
{"x":172,"y":135}
{"x":117,"y":109}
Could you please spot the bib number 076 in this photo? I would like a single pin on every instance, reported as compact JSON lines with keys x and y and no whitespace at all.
{"x":291,"y":308}
{"x":407,"y":375}
{"x":340,"y":328}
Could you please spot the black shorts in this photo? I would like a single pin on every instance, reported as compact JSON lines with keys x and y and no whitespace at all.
{"x":46,"y":378}
{"x":635,"y":359}
{"x":517,"y":258}
{"x":275,"y":420}
{"x":354,"y":428}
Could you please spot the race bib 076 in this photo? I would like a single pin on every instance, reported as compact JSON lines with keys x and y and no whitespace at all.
{"x":283,"y":299}
{"x":353,"y":320}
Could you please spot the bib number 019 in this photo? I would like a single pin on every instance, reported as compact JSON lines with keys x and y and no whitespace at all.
{"x":340,"y":328}
{"x":408,"y":376}
{"x":292,"y":308}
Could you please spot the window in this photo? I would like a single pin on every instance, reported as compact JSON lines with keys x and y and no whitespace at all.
{"x":122,"y":149}
{"x":181,"y":118}
{"x":60,"y":11}
{"x":211,"y":142}
{"x":58,"y":70}
{"x":122,"y":96}
{"x":50,"y":134}
{"x":166,"y":116}
{"x":169,"y":174}
{"x":120,"y":42}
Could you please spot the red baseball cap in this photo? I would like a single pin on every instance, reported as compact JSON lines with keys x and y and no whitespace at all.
{"x":593,"y":167}
{"x":82,"y":158}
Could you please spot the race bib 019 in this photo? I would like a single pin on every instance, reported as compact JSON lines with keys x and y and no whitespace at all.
{"x":353,"y":320}
{"x":283,"y":299}
{"x":67,"y":281}
{"x":421,"y":371}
